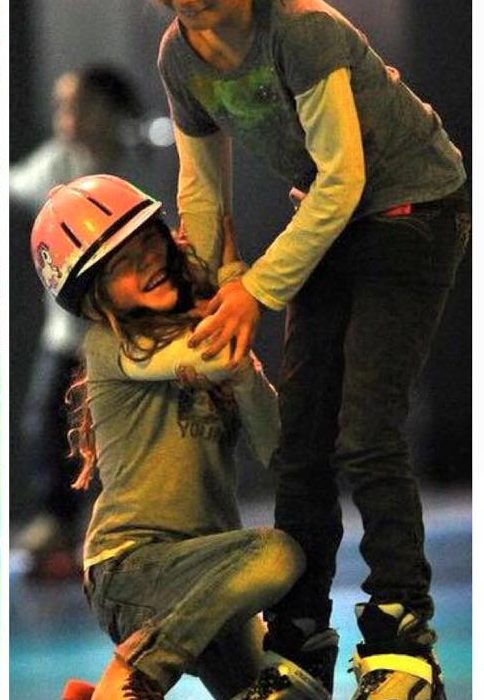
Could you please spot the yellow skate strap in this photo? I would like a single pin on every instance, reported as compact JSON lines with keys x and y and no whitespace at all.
{"x":395,"y":662}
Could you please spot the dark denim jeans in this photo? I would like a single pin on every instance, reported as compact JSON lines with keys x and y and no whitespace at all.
{"x":357,"y":336}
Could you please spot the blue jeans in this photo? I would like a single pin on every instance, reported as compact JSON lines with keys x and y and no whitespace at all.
{"x":357,"y":336}
{"x":186,"y":606}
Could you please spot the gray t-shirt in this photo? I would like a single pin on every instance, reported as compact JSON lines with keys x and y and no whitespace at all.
{"x":408,"y":155}
{"x":166,"y":453}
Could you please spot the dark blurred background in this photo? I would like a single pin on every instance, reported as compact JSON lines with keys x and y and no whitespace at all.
{"x":430,"y":43}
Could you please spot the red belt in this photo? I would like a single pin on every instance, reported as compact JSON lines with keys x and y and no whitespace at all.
{"x":400,"y":210}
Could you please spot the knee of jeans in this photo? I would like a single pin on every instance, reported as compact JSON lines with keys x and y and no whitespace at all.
{"x":283,"y":555}
{"x":363,"y":460}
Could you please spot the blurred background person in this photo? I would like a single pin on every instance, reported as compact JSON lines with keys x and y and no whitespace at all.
{"x":96,"y":127}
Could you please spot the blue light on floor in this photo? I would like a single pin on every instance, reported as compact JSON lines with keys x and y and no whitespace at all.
{"x":54,"y":635}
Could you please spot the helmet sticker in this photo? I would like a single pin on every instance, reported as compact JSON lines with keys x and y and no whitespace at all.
{"x":50,"y":273}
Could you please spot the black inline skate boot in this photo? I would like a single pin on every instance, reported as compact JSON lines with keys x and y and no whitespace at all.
{"x":395,"y":661}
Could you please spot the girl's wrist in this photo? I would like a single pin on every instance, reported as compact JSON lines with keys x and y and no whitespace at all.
{"x":230,"y":271}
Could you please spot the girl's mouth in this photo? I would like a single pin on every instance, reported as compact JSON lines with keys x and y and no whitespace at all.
{"x":155,"y":280}
{"x":192,"y":12}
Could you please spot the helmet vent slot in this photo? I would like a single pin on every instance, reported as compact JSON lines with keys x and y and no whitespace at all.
{"x":100,"y":206}
{"x":71,"y":235}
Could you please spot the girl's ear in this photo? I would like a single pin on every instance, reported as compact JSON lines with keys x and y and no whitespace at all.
{"x":180,"y":237}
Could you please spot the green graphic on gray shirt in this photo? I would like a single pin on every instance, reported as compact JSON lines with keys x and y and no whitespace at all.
{"x":250,"y":99}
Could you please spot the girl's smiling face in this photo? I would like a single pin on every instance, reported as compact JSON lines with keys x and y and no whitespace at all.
{"x":207,"y":14}
{"x":136,"y":276}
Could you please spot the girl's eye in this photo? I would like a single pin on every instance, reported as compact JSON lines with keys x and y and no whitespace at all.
{"x":117,"y":267}
{"x":150,"y":238}
{"x":150,"y":235}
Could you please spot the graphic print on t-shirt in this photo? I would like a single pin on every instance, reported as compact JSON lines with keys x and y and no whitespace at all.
{"x":205,"y":410}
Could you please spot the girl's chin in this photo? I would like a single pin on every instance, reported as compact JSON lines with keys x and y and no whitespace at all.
{"x":171,"y":305}
{"x":165,"y":304}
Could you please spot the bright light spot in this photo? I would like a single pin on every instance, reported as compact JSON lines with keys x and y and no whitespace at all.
{"x":160,"y":132}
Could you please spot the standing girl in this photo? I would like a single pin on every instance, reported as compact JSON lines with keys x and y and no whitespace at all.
{"x":364,"y":267}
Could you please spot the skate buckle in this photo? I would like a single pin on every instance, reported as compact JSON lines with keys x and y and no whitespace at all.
{"x":302,"y":681}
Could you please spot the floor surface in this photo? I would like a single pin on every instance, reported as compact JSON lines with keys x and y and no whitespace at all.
{"x":53,"y":635}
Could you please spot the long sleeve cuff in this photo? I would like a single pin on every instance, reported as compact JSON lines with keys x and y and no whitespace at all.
{"x":258,"y":407}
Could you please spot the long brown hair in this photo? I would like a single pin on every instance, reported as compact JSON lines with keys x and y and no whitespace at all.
{"x":157,"y":329}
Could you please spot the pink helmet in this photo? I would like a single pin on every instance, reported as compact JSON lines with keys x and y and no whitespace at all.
{"x":81,"y":223}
